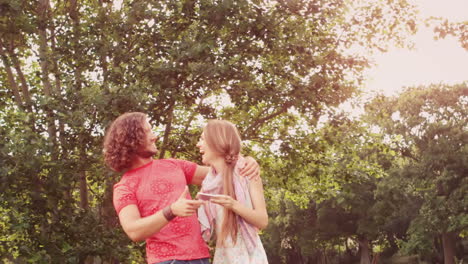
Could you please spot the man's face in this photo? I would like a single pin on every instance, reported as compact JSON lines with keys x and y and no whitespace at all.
{"x":149,"y":148}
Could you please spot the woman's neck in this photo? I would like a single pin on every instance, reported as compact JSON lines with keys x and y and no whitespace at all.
{"x":218,"y":165}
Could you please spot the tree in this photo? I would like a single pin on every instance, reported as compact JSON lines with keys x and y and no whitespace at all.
{"x":70,"y":67}
{"x":344,"y":165}
{"x":430,"y":129}
{"x":443,"y":28}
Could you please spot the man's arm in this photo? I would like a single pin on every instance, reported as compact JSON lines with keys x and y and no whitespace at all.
{"x":250,"y":170}
{"x":200,"y":174}
{"x":140,"y":228}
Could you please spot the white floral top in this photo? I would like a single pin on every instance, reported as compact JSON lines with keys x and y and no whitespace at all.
{"x":230,"y":253}
{"x":238,"y":253}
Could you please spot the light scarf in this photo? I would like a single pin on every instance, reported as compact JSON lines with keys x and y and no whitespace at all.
{"x":213,"y":184}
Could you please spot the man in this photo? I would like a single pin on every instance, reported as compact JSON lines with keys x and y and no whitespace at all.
{"x":152,"y":198}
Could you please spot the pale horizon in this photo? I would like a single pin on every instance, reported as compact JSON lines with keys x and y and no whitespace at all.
{"x":430,"y":62}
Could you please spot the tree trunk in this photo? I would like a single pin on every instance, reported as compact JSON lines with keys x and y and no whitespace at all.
{"x":44,"y":62}
{"x":83,"y":191}
{"x":364,"y":249}
{"x":168,"y":130}
{"x":43,"y":7}
{"x":102,"y":58}
{"x":252,"y":129}
{"x":108,"y":214}
{"x":11,"y":78}
{"x":75,"y":16}
{"x":323,"y":257}
{"x":55,"y":67}
{"x":392,"y":242}
{"x":375,"y":259}
{"x":294,"y":256}
{"x":24,"y":84}
{"x":449,"y":248}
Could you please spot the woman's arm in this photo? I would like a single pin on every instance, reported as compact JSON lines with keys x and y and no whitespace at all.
{"x":257,"y":216}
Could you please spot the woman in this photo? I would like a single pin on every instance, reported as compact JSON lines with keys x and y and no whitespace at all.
{"x":236,"y":207}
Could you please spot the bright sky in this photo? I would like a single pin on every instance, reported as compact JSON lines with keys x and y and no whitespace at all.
{"x":441,"y":61}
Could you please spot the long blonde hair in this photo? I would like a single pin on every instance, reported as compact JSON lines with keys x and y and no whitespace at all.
{"x":223,"y":138}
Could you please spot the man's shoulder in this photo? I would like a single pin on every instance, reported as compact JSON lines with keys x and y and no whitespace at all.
{"x":130,"y":180}
{"x":165,"y":165}
{"x":133,"y":175}
{"x":172,"y":161}
{"x":138,"y":170}
{"x":176,"y":165}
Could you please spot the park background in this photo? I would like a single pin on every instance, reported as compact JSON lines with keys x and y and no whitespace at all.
{"x":351,"y":174}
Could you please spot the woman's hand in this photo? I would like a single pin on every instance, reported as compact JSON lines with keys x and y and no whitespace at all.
{"x":226,"y":201}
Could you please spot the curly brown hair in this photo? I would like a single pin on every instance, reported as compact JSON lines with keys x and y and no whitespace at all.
{"x":123,"y":139}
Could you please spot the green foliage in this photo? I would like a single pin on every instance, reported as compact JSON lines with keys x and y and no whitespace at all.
{"x":70,"y":67}
{"x":336,"y":178}
{"x":429,"y":129}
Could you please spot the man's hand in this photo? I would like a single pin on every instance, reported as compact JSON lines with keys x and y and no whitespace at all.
{"x":251,"y":169}
{"x":184,"y":207}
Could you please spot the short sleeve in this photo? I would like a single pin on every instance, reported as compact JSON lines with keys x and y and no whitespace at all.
{"x":187,"y":167}
{"x":123,"y":196}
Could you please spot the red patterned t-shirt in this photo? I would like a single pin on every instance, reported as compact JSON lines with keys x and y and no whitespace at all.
{"x":153,"y":187}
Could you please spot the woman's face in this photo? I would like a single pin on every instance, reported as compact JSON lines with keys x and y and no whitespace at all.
{"x":208,"y":155}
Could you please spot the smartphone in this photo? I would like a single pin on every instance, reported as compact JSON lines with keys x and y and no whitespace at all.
{"x":206,"y":196}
